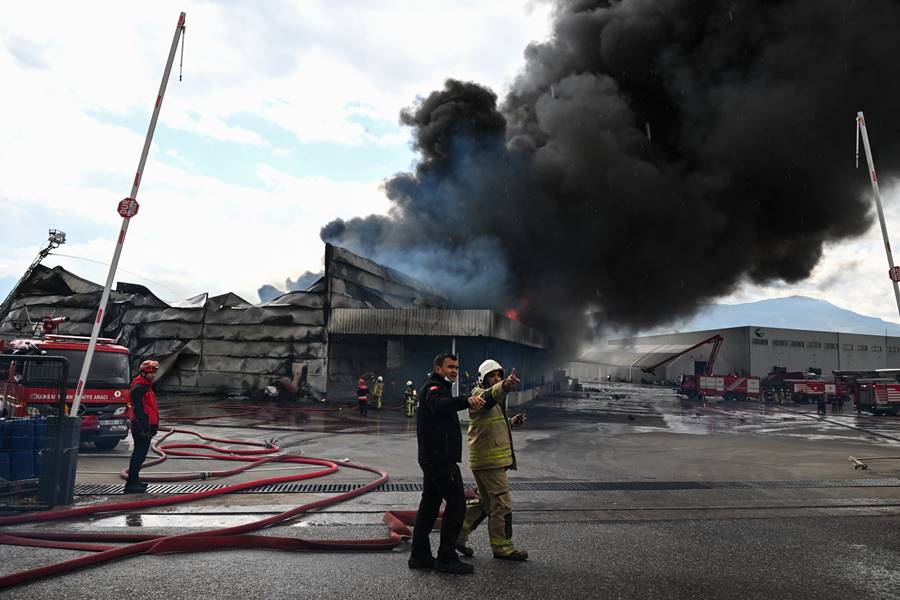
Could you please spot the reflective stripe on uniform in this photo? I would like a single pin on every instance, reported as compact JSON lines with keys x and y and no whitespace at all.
{"x":493,"y":452}
{"x":491,"y":458}
{"x":482,"y":421}
{"x":502,"y":546}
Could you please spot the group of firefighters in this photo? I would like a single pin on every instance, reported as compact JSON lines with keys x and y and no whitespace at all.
{"x":377,"y":394}
{"x":439,"y":442}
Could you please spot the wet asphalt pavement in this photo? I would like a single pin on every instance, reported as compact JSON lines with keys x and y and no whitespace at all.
{"x":773,"y":507}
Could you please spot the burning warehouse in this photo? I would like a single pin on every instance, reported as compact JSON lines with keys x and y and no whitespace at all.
{"x":359,"y":317}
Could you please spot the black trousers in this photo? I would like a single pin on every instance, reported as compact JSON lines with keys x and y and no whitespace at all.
{"x":141,"y":447}
{"x":441,"y":482}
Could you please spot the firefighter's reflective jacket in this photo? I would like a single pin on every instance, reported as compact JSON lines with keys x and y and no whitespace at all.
{"x":490,"y":435}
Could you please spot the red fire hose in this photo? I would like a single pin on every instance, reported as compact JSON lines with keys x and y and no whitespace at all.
{"x":226,"y":538}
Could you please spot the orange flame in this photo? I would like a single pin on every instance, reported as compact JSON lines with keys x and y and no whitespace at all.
{"x":512,"y":314}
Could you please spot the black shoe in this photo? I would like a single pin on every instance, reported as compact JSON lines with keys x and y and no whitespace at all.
{"x":457,"y":567}
{"x":420,"y":563}
{"x":466,"y":551}
{"x":517,"y":555}
{"x":135,"y":488}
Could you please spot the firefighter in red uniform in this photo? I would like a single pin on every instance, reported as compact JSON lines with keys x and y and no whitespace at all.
{"x":144,"y":423}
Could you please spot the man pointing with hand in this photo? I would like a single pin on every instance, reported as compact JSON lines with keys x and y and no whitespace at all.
{"x":440,"y":451}
{"x":490,"y":455}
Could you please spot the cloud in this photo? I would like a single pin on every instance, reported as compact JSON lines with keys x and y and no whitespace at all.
{"x":309,"y":69}
{"x":851,"y":274}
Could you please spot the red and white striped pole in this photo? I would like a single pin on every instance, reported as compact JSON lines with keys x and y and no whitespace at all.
{"x":127,"y":208}
{"x":893,"y":271}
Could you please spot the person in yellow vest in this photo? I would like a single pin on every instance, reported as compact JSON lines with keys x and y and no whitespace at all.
{"x":378,"y":391}
{"x":410,"y":395}
{"x":490,"y":456}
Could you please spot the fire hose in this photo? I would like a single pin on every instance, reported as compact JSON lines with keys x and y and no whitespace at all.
{"x":215,"y":539}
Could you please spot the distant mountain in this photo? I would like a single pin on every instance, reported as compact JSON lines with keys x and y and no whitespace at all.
{"x":792,"y":312}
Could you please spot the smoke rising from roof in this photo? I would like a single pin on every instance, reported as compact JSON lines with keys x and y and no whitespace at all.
{"x":556,"y":201}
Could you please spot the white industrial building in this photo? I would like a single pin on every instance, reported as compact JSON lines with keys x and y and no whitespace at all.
{"x":748,"y":350}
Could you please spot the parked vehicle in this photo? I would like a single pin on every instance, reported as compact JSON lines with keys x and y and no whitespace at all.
{"x":27,"y":388}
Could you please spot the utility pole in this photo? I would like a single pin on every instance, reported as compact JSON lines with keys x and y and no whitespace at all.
{"x":893,"y":271}
{"x":56,"y":239}
{"x":127,"y":209}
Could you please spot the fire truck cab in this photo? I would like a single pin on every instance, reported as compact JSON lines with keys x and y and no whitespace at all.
{"x":807,"y":391}
{"x":727,"y":387}
{"x":877,"y":392}
{"x":28,"y":388}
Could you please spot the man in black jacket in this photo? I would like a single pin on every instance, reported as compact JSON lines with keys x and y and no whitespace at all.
{"x":440,"y":452}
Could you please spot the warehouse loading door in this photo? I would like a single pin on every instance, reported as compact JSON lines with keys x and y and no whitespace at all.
{"x":699,"y":367}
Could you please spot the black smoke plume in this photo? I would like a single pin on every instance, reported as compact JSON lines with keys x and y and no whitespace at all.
{"x":650,"y":156}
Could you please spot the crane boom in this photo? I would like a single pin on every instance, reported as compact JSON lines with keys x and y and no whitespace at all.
{"x":715,"y":340}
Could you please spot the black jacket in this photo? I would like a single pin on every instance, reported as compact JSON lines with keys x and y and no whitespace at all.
{"x":437,"y":422}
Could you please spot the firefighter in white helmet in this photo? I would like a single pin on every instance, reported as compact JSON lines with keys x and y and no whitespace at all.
{"x":378,"y":391}
{"x":410,"y":395}
{"x":490,"y":456}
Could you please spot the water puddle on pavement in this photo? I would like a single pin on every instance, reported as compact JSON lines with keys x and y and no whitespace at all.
{"x":162,"y":521}
{"x":201,"y":521}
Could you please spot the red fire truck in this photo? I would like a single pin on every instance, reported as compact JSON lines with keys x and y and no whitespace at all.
{"x":877,"y":392}
{"x":807,"y":391}
{"x":706,"y":384}
{"x":728,"y":387}
{"x":28,"y":388}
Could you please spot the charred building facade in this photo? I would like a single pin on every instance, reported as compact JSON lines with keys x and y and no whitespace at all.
{"x":358,"y":318}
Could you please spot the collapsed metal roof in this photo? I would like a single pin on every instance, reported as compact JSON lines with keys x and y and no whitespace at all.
{"x":225,"y":343}
{"x":636,"y":355}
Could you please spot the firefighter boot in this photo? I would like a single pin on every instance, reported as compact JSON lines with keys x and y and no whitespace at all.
{"x":514,"y":554}
{"x":454,"y":566}
{"x":425,"y":562}
{"x":135,"y":488}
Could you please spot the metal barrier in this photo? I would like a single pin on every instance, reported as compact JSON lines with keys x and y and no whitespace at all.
{"x":38,"y":453}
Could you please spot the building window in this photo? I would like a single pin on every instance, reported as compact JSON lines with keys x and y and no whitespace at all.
{"x":796,"y":344}
{"x":862,"y":347}
{"x":876,"y":348}
{"x":758,"y":342}
{"x":813,"y":344}
{"x":830,"y":346}
{"x":847,"y":346}
{"x":779,"y":342}
{"x":893,"y":349}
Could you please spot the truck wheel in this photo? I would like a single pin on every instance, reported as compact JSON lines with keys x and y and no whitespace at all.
{"x":106,"y":444}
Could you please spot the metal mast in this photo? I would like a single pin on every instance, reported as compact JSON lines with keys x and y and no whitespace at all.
{"x":55,"y":239}
{"x":127,"y":208}
{"x":893,"y":271}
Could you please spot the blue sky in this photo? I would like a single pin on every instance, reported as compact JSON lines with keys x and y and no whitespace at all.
{"x":286,"y":118}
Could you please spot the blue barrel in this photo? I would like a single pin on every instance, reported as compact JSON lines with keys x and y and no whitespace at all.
{"x":21,"y":464}
{"x":4,"y":465}
{"x":21,"y":434}
{"x":40,"y":434}
{"x":38,"y":462}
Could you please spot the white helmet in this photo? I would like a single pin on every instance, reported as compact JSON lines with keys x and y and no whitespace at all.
{"x":380,"y":378}
{"x":409,"y":382}
{"x":488,"y":366}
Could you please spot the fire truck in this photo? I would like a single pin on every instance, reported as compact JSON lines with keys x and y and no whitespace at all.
{"x":877,"y":392}
{"x":806,"y":391}
{"x":728,"y":387}
{"x":28,"y":388}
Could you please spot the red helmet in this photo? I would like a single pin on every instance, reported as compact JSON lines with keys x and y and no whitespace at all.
{"x":149,"y":366}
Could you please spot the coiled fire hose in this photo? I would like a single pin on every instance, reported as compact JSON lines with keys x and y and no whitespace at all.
{"x":215,"y":539}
